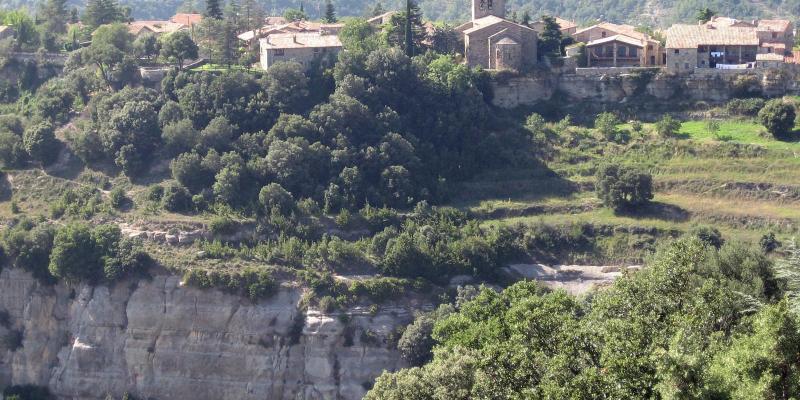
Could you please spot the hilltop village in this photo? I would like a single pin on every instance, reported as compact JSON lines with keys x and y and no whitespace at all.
{"x":493,"y":40}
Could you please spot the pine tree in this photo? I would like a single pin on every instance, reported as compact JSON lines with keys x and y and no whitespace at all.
{"x":101,"y":12}
{"x":213,"y":9}
{"x":73,"y":15}
{"x":409,"y":32}
{"x":54,"y":14}
{"x":526,"y":18}
{"x":549,"y":43}
{"x":330,"y":13}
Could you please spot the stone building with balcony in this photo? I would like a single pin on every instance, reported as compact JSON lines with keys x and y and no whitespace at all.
{"x":613,"y":45}
{"x":727,"y":43}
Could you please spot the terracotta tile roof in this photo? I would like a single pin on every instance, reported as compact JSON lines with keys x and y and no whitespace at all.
{"x":187,"y":19}
{"x":769,"y":57}
{"x":274,"y":21}
{"x":157,"y":27}
{"x":565,"y":24}
{"x":774,"y":45}
{"x":616,"y":38}
{"x":488,"y":21}
{"x":691,"y":36}
{"x":626,"y":30}
{"x":775,"y":25}
{"x":299,"y":40}
{"x":291,"y":27}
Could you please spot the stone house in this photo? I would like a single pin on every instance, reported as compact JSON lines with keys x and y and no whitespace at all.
{"x":493,"y":42}
{"x":177,"y":22}
{"x":769,"y":60}
{"x":305,"y":48}
{"x":613,"y":45}
{"x":727,"y":43}
{"x":568,"y":28}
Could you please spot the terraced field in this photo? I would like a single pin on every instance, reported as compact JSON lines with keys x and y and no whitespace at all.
{"x":739,"y":180}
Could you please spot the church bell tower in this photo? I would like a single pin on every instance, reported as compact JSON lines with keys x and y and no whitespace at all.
{"x":485,"y":8}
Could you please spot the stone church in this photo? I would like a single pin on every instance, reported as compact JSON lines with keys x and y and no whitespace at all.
{"x":494,"y":42}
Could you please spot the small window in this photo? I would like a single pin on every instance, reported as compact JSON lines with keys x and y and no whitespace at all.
{"x":676,"y":51}
{"x":649,"y":47}
{"x":278,"y":52}
{"x":316,"y":49}
{"x":686,"y":65}
{"x":703,"y":62}
{"x":602,"y":34}
{"x":774,"y":35}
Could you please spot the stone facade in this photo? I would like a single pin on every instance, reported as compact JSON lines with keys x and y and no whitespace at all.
{"x":682,"y":60}
{"x":490,"y":36}
{"x":306,"y":49}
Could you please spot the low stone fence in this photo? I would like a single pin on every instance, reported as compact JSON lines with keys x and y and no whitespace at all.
{"x":611,"y":70}
{"x":51,"y":58}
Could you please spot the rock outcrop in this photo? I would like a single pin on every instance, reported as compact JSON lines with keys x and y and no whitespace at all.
{"x":158,"y":339}
{"x":646,"y":86}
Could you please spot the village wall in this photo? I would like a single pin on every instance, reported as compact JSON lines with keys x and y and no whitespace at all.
{"x":645,"y":86}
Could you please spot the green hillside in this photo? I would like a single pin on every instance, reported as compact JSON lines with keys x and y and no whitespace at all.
{"x":656,"y":13}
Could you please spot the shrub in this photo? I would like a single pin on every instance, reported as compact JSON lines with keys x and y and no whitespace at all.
{"x":416,"y":343}
{"x":5,"y":319}
{"x":118,"y":198}
{"x":40,"y":143}
{"x":273,"y":198}
{"x":177,"y":199}
{"x":27,"y":392}
{"x":623,"y":187}
{"x":155,"y":193}
{"x":255,"y":283}
{"x":327,"y":304}
{"x":778,"y":117}
{"x":12,"y":340}
{"x":222,"y":225}
{"x":708,"y":235}
{"x":606,"y":123}
{"x":745,"y":107}
{"x":74,"y":254}
{"x":668,"y":126}
{"x":769,"y":243}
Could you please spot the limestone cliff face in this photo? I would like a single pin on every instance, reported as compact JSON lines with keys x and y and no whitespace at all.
{"x":703,"y":85}
{"x":158,"y":339}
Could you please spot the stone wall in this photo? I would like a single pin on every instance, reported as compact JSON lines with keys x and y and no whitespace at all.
{"x":158,"y":339}
{"x":647,"y":86}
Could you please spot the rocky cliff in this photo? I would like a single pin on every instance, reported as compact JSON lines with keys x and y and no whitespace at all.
{"x":625,"y":85}
{"x":158,"y":339}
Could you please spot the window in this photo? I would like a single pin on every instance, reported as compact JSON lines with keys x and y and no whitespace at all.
{"x":621,"y":51}
{"x":316,"y":49}
{"x":703,"y":62}
{"x":602,"y":34}
{"x":774,"y":35}
{"x":649,"y":47}
{"x":686,"y":65}
{"x":633,"y":52}
{"x":278,"y":52}
{"x":490,"y":4}
{"x":676,"y":51}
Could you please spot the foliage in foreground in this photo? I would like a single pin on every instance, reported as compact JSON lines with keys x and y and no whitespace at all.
{"x":697,"y":323}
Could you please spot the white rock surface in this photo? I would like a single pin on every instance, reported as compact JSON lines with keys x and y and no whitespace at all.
{"x":158,"y":339}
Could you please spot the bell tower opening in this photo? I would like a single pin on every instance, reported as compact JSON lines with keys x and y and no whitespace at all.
{"x":485,"y":8}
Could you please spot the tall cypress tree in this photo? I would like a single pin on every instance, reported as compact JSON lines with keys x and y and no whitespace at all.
{"x":409,"y":31}
{"x":101,"y":12}
{"x":330,"y":13}
{"x":213,"y":9}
